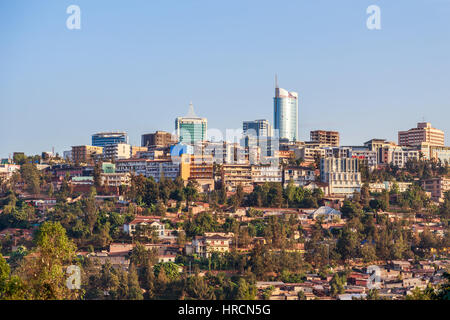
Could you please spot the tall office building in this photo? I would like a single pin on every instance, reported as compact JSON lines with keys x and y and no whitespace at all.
{"x":423,"y":133}
{"x":258,"y":133}
{"x":258,"y":128}
{"x":103,"y":139}
{"x":191,"y":129}
{"x":285,"y":113}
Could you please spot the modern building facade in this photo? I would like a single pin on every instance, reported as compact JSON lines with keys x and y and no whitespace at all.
{"x":285,"y":114}
{"x":330,"y":138}
{"x":117,"y":151}
{"x":258,"y":128}
{"x":362,"y":153}
{"x":377,"y":145}
{"x":134,"y":166}
{"x":223,"y":152}
{"x":191,"y":129}
{"x":423,"y":133}
{"x":398,"y":156}
{"x":259,"y":133}
{"x":102,"y":139}
{"x":341,"y":174}
{"x":158,"y":169}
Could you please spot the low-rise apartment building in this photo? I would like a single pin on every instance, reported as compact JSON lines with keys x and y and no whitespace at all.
{"x":236,"y":174}
{"x":266,"y":173}
{"x":362,"y":153}
{"x":330,"y":138}
{"x":205,"y":246}
{"x":437,"y":187}
{"x":399,"y":156}
{"x":310,"y":153}
{"x":143,"y":221}
{"x":135,"y":166}
{"x":158,"y":139}
{"x":7,"y":170}
{"x":135,"y":150}
{"x":150,"y":168}
{"x":117,"y":151}
{"x":162,"y":168}
{"x":388,"y":185}
{"x":300,"y":176}
{"x":86,"y":154}
{"x":199,"y":168}
{"x":115,"y":179}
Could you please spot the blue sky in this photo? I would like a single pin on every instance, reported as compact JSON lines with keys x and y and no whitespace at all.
{"x":136,"y":65}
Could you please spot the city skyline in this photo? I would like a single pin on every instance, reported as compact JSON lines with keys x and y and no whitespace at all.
{"x":350,"y":79}
{"x":330,"y":183}
{"x":189,"y":115}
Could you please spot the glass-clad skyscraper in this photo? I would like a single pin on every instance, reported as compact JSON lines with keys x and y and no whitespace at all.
{"x":256,"y":133}
{"x":285,"y":114}
{"x":103,"y":139}
{"x":191,"y":129}
{"x":258,"y":128}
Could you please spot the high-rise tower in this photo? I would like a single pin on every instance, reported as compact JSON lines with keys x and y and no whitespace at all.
{"x":191,"y":129}
{"x":285,"y":113}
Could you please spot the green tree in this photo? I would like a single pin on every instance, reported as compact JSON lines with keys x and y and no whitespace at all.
{"x":191,"y":191}
{"x":198,"y":288}
{"x":170,"y":270}
{"x":148,"y":280}
{"x":44,"y":271}
{"x":97,"y":175}
{"x":51,"y":190}
{"x":19,"y":158}
{"x":245,"y":290}
{"x":418,"y":294}
{"x":134,"y":290}
{"x":337,"y":284}
{"x":31,"y":176}
{"x":347,"y":244}
{"x":301,"y":295}
{"x":11,"y":287}
{"x":267,"y":292}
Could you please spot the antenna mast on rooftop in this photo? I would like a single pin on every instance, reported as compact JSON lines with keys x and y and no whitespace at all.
{"x":191,"y":113}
